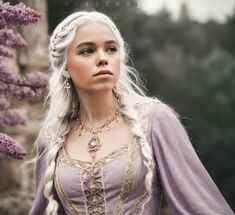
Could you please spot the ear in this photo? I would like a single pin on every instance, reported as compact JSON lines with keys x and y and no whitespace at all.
{"x":66,"y":74}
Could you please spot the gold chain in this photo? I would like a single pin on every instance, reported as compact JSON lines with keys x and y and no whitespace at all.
{"x":94,"y":143}
{"x":81,"y":126}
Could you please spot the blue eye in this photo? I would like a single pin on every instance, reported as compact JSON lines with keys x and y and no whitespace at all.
{"x":87,"y":51}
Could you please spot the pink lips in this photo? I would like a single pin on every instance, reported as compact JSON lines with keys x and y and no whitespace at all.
{"x":103,"y":72}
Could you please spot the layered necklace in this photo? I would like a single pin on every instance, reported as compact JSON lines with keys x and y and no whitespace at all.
{"x":94,"y":144}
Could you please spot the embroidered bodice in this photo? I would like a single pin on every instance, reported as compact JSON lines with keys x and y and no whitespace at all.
{"x":115,"y":184}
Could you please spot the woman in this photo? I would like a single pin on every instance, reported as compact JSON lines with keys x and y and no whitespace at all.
{"x":106,"y":148}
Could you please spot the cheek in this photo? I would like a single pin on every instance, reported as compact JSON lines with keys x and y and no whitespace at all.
{"x":78,"y":67}
{"x":117,"y":66}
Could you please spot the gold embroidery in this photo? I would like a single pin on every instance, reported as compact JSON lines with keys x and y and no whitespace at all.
{"x":92,"y":183}
{"x":67,"y":203}
{"x":102,"y":175}
{"x":139,"y":204}
{"x":93,"y":189}
{"x":127,"y":181}
{"x":85,"y":164}
{"x":83,"y":193}
{"x":144,"y":110}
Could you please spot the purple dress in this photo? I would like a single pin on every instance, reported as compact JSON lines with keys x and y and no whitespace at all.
{"x":115,"y":183}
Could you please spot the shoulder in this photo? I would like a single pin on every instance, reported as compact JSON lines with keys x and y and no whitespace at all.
{"x":150,"y":111}
{"x":155,"y":109}
{"x":162,"y":112}
{"x":156,"y":116}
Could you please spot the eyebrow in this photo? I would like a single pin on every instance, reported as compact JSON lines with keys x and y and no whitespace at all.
{"x":93,"y":44}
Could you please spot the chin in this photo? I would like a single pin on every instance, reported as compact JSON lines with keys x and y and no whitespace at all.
{"x":105,"y":87}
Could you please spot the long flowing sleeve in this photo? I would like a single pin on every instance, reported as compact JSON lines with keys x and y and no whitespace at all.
{"x":40,"y":202}
{"x":187,"y":185}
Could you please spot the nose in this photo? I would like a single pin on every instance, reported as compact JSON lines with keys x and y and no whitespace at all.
{"x":101,"y":59}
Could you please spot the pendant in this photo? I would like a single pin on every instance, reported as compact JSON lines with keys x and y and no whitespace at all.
{"x":94,"y":144}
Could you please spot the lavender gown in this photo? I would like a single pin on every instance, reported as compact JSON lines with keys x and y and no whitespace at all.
{"x":115,"y":183}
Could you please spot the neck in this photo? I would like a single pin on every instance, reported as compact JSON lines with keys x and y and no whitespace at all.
{"x":97,"y":107}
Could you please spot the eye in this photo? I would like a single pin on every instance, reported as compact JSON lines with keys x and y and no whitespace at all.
{"x":111,"y":49}
{"x":86,"y":51}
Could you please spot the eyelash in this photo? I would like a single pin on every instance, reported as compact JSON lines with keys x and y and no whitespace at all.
{"x":90,"y":50}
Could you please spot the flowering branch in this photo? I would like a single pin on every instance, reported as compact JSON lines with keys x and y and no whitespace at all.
{"x":12,"y":15}
{"x":13,"y":85}
{"x":11,"y":39}
{"x":9,"y":147}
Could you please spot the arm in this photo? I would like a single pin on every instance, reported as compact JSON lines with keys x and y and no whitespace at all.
{"x":40,"y":202}
{"x":187,"y":185}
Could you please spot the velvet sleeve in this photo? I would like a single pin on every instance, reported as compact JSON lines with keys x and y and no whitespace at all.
{"x":40,"y":202}
{"x":186,"y":184}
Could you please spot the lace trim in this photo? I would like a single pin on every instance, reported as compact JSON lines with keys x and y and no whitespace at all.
{"x":85,"y":164}
{"x":144,"y":110}
{"x":62,"y":195}
{"x":127,"y":181}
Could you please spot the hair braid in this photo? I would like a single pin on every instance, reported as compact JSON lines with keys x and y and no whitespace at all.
{"x":54,"y":145}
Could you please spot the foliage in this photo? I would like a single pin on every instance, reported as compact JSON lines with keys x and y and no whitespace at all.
{"x":13,"y":85}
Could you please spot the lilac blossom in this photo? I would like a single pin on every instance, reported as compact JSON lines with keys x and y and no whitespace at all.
{"x":4,"y":52}
{"x":28,"y":88}
{"x":36,"y":79}
{"x":9,"y":147}
{"x":11,"y":39}
{"x":11,"y":117}
{"x":28,"y":93}
{"x":6,"y":75}
{"x":4,"y":103}
{"x":19,"y":14}
{"x":12,"y":85}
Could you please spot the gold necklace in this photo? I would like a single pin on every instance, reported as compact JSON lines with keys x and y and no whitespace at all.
{"x":94,"y":144}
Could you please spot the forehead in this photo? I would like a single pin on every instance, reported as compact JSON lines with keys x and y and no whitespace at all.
{"x":94,"y":32}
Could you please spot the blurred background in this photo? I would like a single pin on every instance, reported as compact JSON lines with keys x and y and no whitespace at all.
{"x":185,"y":52}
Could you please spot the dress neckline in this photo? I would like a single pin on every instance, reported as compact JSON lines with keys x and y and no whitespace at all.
{"x":63,"y":156}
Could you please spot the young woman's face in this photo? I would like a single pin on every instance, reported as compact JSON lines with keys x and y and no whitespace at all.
{"x":93,"y":58}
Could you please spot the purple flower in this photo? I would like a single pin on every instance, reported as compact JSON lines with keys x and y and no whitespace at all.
{"x":13,"y":85}
{"x":4,"y":103}
{"x":4,"y":52}
{"x":7,"y":76}
{"x":10,"y":148}
{"x":19,"y":14}
{"x":11,"y":117}
{"x":37,"y":79}
{"x":11,"y":39}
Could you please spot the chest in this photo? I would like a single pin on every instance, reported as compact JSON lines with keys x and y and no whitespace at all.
{"x":106,"y":185}
{"x":109,"y":140}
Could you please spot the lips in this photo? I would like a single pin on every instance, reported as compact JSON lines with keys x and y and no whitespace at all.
{"x":103,"y":72}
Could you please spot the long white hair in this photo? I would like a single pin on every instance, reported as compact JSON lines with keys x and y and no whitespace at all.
{"x":61,"y":100}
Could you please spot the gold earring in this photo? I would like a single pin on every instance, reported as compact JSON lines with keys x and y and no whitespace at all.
{"x":67,"y":76}
{"x":67,"y":85}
